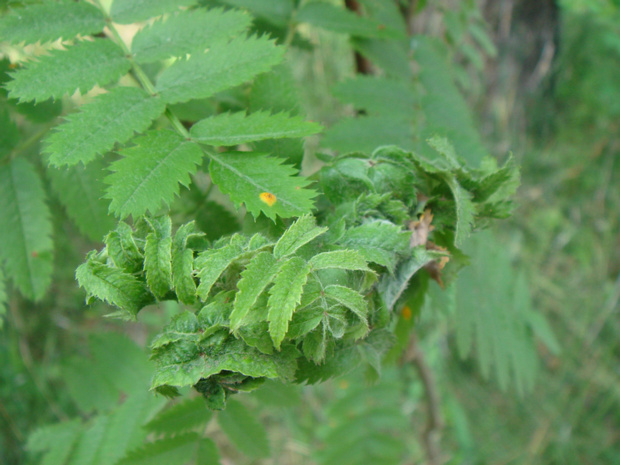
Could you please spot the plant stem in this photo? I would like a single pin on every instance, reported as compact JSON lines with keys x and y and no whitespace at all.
{"x":434,"y":421}
{"x":139,"y":73}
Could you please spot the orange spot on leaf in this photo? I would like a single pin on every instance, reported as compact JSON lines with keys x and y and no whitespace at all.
{"x":406,"y":313}
{"x":268,"y":198}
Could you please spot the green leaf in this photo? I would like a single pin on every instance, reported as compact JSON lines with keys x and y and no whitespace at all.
{"x":216,"y":220}
{"x":9,"y":134}
{"x":210,"y":264}
{"x":80,"y":191}
{"x":158,"y":258}
{"x":132,"y":11}
{"x":297,"y":235}
{"x":122,"y":248}
{"x":254,"y":279}
{"x":25,"y":228}
{"x":392,"y":287}
{"x":380,"y":242}
{"x":120,"y":363}
{"x":50,"y":21}
{"x":184,"y":416}
{"x":262,"y":183}
{"x":3,"y":298}
{"x":175,"y":450}
{"x":333,"y":18}
{"x":285,"y":296}
{"x":207,"y":453}
{"x":277,"y":12}
{"x":244,"y":430}
{"x":378,"y":95}
{"x":230,"y":129}
{"x":349,"y":298}
{"x":149,"y":173}
{"x":225,"y":65}
{"x":123,"y":430}
{"x":184,"y":355}
{"x":445,"y":110}
{"x":187,"y":32}
{"x":339,"y":259}
{"x":80,"y":67}
{"x":465,"y":210}
{"x":365,"y":133}
{"x":110,"y":118}
{"x":277,"y":91}
{"x":56,"y":440}
{"x":492,"y":315}
{"x":113,"y":286}
{"x":183,"y":265}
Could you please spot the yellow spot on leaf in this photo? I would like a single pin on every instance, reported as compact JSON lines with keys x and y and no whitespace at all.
{"x":406,"y":313}
{"x":344,"y":384}
{"x":268,"y":198}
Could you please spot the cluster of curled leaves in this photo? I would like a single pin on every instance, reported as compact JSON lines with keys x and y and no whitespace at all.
{"x":303,"y":301}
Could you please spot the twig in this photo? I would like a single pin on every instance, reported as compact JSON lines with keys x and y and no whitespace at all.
{"x":434,"y":420}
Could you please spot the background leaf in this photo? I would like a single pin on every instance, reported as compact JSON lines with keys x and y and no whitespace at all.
{"x":51,"y":21}
{"x":187,"y":32}
{"x":25,"y":229}
{"x":244,"y":430}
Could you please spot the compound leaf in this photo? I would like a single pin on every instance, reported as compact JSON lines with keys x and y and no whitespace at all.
{"x":298,"y":234}
{"x":149,"y":173}
{"x":225,"y":65}
{"x":110,"y":118}
{"x":187,"y":32}
{"x":285,"y":295}
{"x":25,"y":228}
{"x":50,"y":21}
{"x":230,"y":129}
{"x":80,"y":67}
{"x":262,"y":183}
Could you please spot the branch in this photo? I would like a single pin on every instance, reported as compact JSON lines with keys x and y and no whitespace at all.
{"x":434,"y":421}
{"x":362,"y":64}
